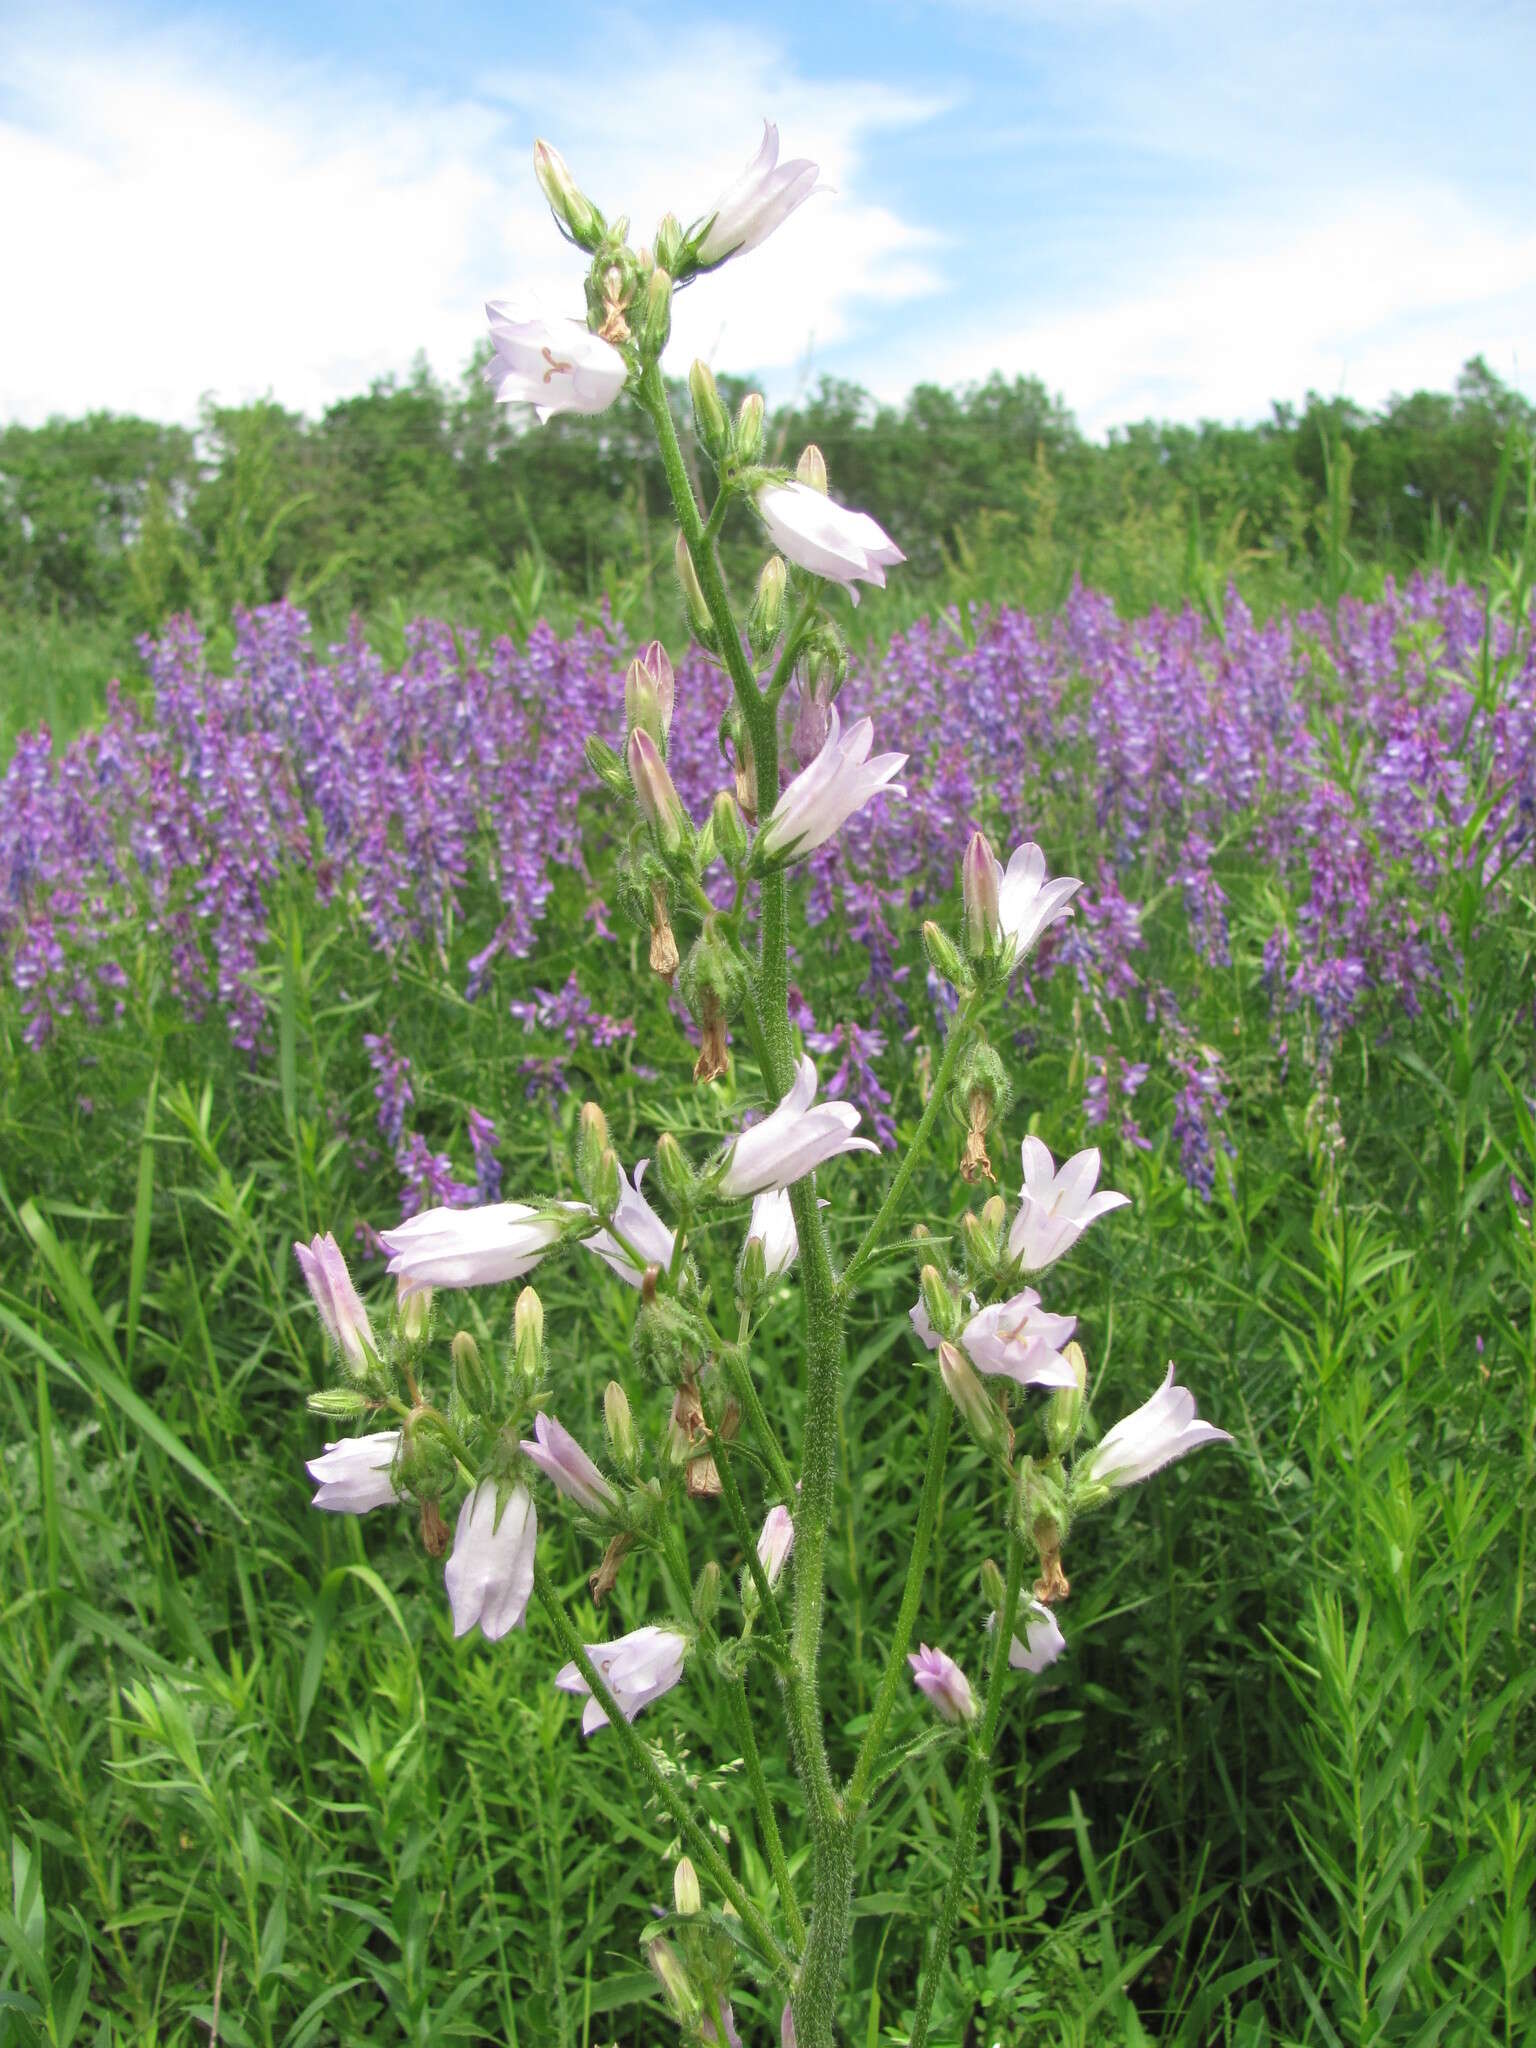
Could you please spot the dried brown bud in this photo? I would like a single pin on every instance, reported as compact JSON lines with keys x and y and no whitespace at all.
{"x":606,"y":1577}
{"x":664,"y":955}
{"x":714,"y":1059}
{"x":434,"y":1530}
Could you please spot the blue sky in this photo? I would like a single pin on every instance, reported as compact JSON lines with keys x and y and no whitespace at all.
{"x":1183,"y":209}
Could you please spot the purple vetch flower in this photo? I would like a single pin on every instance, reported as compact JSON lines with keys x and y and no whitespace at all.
{"x":427,"y":1179}
{"x":636,"y":1669}
{"x":392,"y":1089}
{"x":482,"y":1142}
{"x":948,"y":1690}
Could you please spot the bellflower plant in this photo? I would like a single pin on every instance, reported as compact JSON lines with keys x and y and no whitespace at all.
{"x":702,"y":1438}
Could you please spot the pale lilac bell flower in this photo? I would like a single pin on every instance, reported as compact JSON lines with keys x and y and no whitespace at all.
{"x":1153,"y":1435}
{"x":636,"y":1668}
{"x":1028,"y":905}
{"x":1043,"y":1640}
{"x":489,"y":1574}
{"x":341,"y":1311}
{"x":561,"y":1459}
{"x":773,"y":1225}
{"x":760,"y":200}
{"x":792,"y":1140}
{"x":824,"y":538}
{"x":638,"y":1238}
{"x":840,"y":781}
{"x":1057,"y":1205}
{"x":473,"y":1247}
{"x":1021,"y":1341}
{"x":946,"y":1685}
{"x":554,"y":365}
{"x":356,"y":1473}
{"x":775,"y":1543}
{"x":725,"y":2032}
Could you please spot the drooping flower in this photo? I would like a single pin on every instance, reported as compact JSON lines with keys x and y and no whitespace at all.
{"x":840,"y":781}
{"x":1043,"y":1640}
{"x":1151,"y":1436}
{"x":825,"y":538}
{"x":336,"y":1298}
{"x":490,"y":1574}
{"x":472,"y":1247}
{"x":940,"y":1677}
{"x":1057,"y":1206}
{"x":554,"y":365}
{"x":761,"y":199}
{"x":1022,"y":1341}
{"x":560,"y":1458}
{"x":356,"y":1473}
{"x":638,"y":1237}
{"x":775,"y":1543}
{"x":636,"y":1668}
{"x":773,"y":1225}
{"x":793,"y":1140}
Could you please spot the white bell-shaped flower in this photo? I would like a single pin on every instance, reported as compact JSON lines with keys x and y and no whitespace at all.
{"x":489,"y":1574}
{"x":554,"y":365}
{"x":1057,"y":1205}
{"x":793,"y":1140}
{"x":840,"y":781}
{"x":825,"y":538}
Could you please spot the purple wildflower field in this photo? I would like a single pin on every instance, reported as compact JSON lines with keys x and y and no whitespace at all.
{"x":1338,"y":772}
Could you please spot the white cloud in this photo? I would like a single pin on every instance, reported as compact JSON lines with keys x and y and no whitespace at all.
{"x":202,"y":216}
{"x":1384,"y":293}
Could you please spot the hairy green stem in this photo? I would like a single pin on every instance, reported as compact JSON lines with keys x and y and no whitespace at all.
{"x":977,"y":1773}
{"x":890,"y":1682}
{"x":954,"y":1045}
{"x":639,"y":1757}
{"x":772,"y":1840}
{"x":815,"y":1997}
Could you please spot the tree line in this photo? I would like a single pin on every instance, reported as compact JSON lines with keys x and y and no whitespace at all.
{"x":421,"y":494}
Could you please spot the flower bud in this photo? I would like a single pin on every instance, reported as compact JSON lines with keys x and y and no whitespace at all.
{"x":414,"y":1315}
{"x":653,"y":321}
{"x":606,"y":765}
{"x":982,"y":1246}
{"x":658,"y":799}
{"x":677,"y":1177}
{"x":980,"y":879}
{"x":765,"y":621}
{"x":591,"y":1144}
{"x":1064,"y":1410}
{"x":608,"y":1184}
{"x":752,"y":1276}
{"x":811,"y":469}
{"x":470,"y":1377}
{"x":943,"y":1313}
{"x":710,"y":420}
{"x":574,"y":212}
{"x":528,"y":1334}
{"x":994,"y":1214}
{"x":945,"y":957}
{"x":978,"y":1410}
{"x":994,"y":1589}
{"x":339,"y":1404}
{"x":621,"y":1427}
{"x":730,"y":832}
{"x":678,"y":1991}
{"x":748,"y":437}
{"x":686,"y":1896}
{"x":699,"y":621}
{"x":648,"y":693}
{"x":706,"y":1605}
{"x":669,"y":242}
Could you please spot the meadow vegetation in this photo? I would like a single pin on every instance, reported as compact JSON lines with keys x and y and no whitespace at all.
{"x":312,"y":924}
